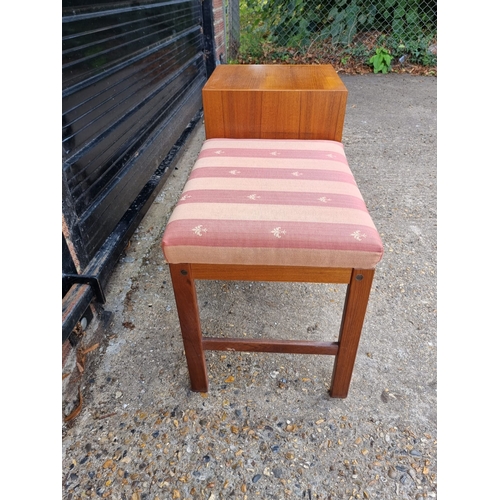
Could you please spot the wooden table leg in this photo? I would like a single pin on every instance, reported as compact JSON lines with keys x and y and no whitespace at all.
{"x":189,"y":319}
{"x":356,"y":302}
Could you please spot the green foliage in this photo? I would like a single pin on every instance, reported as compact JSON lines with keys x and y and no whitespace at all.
{"x":415,"y":48}
{"x":381,"y":61}
{"x":408,"y":26}
{"x":253,"y":30}
{"x":354,"y":52}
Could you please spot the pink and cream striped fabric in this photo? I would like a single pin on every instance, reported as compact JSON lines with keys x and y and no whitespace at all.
{"x":272,"y":202}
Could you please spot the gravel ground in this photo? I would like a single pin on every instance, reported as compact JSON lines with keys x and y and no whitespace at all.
{"x":267,"y":427}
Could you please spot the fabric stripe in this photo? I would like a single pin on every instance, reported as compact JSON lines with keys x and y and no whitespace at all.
{"x":285,"y":185}
{"x":272,"y":153}
{"x":275,"y":163}
{"x":272,"y":256}
{"x":273,"y":173}
{"x":272,"y":234}
{"x":247,"y":213}
{"x":272,"y":198}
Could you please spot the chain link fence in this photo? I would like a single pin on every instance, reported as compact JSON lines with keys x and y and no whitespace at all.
{"x":378,"y":34}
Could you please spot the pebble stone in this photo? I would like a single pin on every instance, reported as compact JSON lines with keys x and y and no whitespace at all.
{"x":277,"y":472}
{"x":392,"y":473}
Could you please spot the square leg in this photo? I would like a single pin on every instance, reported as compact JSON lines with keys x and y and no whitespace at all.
{"x":356,"y":302}
{"x":189,"y":319}
{"x":345,"y":350}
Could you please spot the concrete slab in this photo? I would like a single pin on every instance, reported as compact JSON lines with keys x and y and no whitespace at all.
{"x":267,"y":428}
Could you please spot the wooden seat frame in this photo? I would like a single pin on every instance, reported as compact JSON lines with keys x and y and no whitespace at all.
{"x":359,"y":283}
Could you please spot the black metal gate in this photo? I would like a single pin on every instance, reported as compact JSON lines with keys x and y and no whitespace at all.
{"x":132,"y":75}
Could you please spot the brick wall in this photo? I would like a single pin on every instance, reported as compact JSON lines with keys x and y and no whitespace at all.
{"x":219,"y":31}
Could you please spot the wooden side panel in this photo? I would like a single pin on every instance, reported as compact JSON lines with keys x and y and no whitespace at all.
{"x":247,"y":114}
{"x":280,"y":115}
{"x":212,"y":110}
{"x":274,"y":102}
{"x":232,"y":114}
{"x":322,"y":115}
{"x":270,"y":273}
{"x":242,"y":114}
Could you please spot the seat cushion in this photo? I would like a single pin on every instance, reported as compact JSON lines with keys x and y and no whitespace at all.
{"x":272,"y":202}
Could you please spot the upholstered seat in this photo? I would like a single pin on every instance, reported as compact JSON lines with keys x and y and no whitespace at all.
{"x":272,"y":210}
{"x":272,"y":202}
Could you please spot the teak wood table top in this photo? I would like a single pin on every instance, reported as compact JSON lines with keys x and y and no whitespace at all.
{"x":274,"y":102}
{"x":275,"y":77}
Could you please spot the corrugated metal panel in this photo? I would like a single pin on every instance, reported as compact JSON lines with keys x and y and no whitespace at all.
{"x":132,"y":79}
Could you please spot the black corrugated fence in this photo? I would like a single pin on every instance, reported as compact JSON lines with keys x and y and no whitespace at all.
{"x":132,"y":75}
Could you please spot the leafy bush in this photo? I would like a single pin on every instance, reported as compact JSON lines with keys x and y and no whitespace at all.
{"x":407,"y":27}
{"x":253,"y":30}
